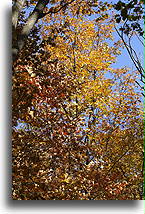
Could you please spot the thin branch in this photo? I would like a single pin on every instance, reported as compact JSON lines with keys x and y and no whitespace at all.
{"x":140,"y":39}
{"x":132,"y":54}
{"x":55,"y":9}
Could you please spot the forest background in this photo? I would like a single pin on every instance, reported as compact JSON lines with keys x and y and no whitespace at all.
{"x":85,"y":141}
{"x":82,"y":133}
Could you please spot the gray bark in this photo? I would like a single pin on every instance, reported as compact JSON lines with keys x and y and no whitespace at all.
{"x":31,"y":21}
{"x":16,"y":9}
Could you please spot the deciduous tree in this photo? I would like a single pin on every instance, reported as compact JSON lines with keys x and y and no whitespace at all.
{"x":81,"y":137}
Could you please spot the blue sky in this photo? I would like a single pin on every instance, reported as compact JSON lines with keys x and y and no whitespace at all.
{"x":124,"y":58}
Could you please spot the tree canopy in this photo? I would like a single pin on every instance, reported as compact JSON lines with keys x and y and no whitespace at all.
{"x":77,"y":122}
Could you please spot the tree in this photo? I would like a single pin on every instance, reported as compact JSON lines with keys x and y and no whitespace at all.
{"x":81,"y":137}
{"x":130,"y":17}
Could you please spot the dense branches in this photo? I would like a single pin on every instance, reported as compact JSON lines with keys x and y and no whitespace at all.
{"x":77,"y":123}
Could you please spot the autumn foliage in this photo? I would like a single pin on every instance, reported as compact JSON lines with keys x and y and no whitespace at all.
{"x":77,"y":121}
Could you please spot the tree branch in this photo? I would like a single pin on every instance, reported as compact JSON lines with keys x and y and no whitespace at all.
{"x":133,"y":55}
{"x":16,"y":9}
{"x":31,"y":21}
{"x":57,"y":9}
